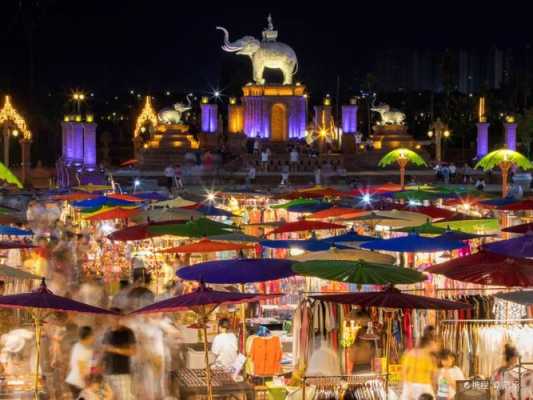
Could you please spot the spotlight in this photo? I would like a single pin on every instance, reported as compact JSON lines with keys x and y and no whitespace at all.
{"x":367,"y":198}
{"x":137,"y":182}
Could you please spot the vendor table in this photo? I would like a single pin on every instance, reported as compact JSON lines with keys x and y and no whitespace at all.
{"x":192,"y":383}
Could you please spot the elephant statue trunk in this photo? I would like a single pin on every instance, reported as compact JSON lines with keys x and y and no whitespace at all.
{"x":227,"y":45}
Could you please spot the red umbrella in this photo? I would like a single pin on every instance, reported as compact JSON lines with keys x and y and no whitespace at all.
{"x":140,"y":232}
{"x":487,"y":268}
{"x":202,"y":301}
{"x":523,"y":228}
{"x":311,"y":193}
{"x":133,"y":161}
{"x":522,"y":205}
{"x":76,"y":196}
{"x":115,"y":213}
{"x":125,"y":197}
{"x":337,"y":212}
{"x":377,"y":189}
{"x":40,"y":301}
{"x":305,"y":225}
{"x":207,"y":246}
{"x":431,"y":211}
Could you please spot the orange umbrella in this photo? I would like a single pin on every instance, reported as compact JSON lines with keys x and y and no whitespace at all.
{"x":305,"y":225}
{"x":337,"y":212}
{"x":311,"y":193}
{"x":115,"y":213}
{"x":75,"y":196}
{"x":125,"y":197}
{"x":207,"y":246}
{"x":133,"y":161}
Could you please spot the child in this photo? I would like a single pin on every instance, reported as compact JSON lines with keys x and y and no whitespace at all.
{"x":447,"y":376}
{"x":96,"y":389}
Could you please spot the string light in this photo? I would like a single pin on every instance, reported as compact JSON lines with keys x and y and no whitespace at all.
{"x":147,"y":115}
{"x":8,"y":113}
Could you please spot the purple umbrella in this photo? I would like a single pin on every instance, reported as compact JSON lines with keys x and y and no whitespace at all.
{"x":203,"y":302}
{"x":242,"y":270}
{"x":38,"y":302}
{"x":517,"y":247}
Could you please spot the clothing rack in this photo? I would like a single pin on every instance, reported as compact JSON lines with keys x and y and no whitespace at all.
{"x":337,"y":380}
{"x":501,"y":288}
{"x":493,"y":321}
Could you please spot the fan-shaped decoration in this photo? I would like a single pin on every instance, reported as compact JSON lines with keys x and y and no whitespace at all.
{"x":8,"y":176}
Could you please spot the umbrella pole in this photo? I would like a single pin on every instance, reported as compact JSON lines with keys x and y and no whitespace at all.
{"x":38,"y":325}
{"x":387,"y":353}
{"x":206,"y":356}
{"x":243,"y":321}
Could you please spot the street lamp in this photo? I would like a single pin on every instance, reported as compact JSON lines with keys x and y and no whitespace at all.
{"x":438,"y":129}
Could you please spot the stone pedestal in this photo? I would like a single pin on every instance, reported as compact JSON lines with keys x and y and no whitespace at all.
{"x":482,"y":139}
{"x":510,"y":135}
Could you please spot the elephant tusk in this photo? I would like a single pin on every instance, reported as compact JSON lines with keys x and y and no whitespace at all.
{"x":230,"y":49}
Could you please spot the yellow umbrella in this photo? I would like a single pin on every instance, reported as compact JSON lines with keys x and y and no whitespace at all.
{"x":177,"y":202}
{"x":402,"y":219}
{"x":93,"y":188}
{"x":346,"y":255}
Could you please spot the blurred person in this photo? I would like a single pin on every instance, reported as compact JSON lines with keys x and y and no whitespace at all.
{"x":170,"y":174}
{"x":447,"y":376}
{"x":225,"y":345}
{"x":506,"y":375}
{"x":81,"y":357}
{"x":96,"y":389}
{"x":284,"y":174}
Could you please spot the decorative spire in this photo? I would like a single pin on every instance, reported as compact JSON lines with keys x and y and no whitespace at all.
{"x":270,"y":34}
{"x":9,"y":113}
{"x":147,"y":115}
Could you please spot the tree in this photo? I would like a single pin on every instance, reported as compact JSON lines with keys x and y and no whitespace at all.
{"x":525,"y":130}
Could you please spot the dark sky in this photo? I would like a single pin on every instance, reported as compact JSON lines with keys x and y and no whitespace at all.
{"x":154,"y":44}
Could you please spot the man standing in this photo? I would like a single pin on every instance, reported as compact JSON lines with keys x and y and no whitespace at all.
{"x":80,"y":361}
{"x":119,"y":347}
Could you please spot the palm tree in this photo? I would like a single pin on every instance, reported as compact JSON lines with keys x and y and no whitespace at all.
{"x":504,"y":159}
{"x":402,"y":157}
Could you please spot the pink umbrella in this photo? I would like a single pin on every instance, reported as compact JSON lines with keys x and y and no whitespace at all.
{"x":38,"y":303}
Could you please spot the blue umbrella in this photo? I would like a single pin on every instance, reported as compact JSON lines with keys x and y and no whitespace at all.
{"x":309,"y":208}
{"x":458,"y":235}
{"x":517,"y":247}
{"x":309,"y":245}
{"x":213,"y":211}
{"x":12,"y":231}
{"x":413,"y":243}
{"x":102,"y":201}
{"x":247,"y":270}
{"x":151,"y":196}
{"x":498,"y":202}
{"x":350,"y":236}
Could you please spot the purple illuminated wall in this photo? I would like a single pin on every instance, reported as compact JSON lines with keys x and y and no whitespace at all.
{"x":510,"y":136}
{"x":257,"y":115}
{"x":349,"y":118}
{"x":209,"y":118}
{"x":482,"y":138}
{"x":322,"y":116}
{"x":89,"y":145}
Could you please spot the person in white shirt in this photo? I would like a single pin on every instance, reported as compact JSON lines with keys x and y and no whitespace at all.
{"x":81,"y":357}
{"x":265,"y":155}
{"x":285,"y":174}
{"x":225,"y":346}
{"x":170,"y":174}
{"x":250,"y":178}
{"x":453,"y":172}
{"x":447,"y":376}
{"x":294,"y":157}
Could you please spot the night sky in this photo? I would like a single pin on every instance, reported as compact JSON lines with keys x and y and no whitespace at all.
{"x":107,"y":46}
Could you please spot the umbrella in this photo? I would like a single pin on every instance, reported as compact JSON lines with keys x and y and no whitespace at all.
{"x":487,"y":268}
{"x":346,"y":255}
{"x":139,"y":232}
{"x":304,"y":225}
{"x":210,"y":210}
{"x":348,"y":237}
{"x":75,"y":196}
{"x":522,"y":205}
{"x":334,"y":212}
{"x":8,"y":176}
{"x":413,"y":243}
{"x":94,"y":188}
{"x":309,"y":208}
{"x":522,"y":228}
{"x":524,"y":297}
{"x":309,"y":245}
{"x":12,"y":231}
{"x":102,"y":201}
{"x":418,"y":195}
{"x":206,"y":246}
{"x":127,"y":163}
{"x":458,"y":235}
{"x":315,"y":192}
{"x":166,"y":214}
{"x":358,"y":271}
{"x":6,"y":245}
{"x":203,"y":302}
{"x":177,"y":202}
{"x":296,"y":202}
{"x":40,"y":301}
{"x":425,"y":229}
{"x":430,"y":211}
{"x":151,"y":196}
{"x":114,"y":213}
{"x":126,"y":197}
{"x":235,"y":237}
{"x":199,"y":228}
{"x":517,"y":247}
{"x":245,"y":270}
{"x":15,"y":273}
{"x":497,"y":203}
{"x":471,"y":225}
{"x":392,"y":298}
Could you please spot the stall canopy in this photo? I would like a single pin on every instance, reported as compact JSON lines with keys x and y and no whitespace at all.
{"x":198,"y":228}
{"x":350,"y":236}
{"x":167,"y":214}
{"x":101,"y":201}
{"x":487,"y":268}
{"x":7,"y":272}
{"x":524,"y":297}
{"x":304,"y":225}
{"x":517,"y":247}
{"x":153,"y":196}
{"x":12,"y":231}
{"x":425,"y":229}
{"x":522,"y":205}
{"x":458,"y":235}
{"x":6,"y":245}
{"x":359,"y":272}
{"x":235,"y":237}
{"x":242,"y":271}
{"x":207,"y":246}
{"x":522,"y":228}
{"x":430,"y":211}
{"x":336,"y":212}
{"x":481,"y":225}
{"x":296,"y":202}
{"x":139,"y":232}
{"x":75,"y":196}
{"x":413,"y":243}
{"x":309,"y":208}
{"x":114,"y":213}
{"x":177,"y":202}
{"x":309,"y":245}
{"x":346,"y":255}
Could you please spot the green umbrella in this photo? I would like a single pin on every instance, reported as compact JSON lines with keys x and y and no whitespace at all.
{"x":359,"y":272}
{"x":471,"y":225}
{"x":235,"y":237}
{"x":419,"y":195}
{"x":8,"y":272}
{"x":297,"y":202}
{"x":425,"y":229}
{"x":199,"y":228}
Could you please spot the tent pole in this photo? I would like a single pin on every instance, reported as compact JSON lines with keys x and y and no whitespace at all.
{"x":206,"y":355}
{"x":38,"y":325}
{"x":243,"y":321}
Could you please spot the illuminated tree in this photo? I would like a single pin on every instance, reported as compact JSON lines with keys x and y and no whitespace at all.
{"x":402,"y":157}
